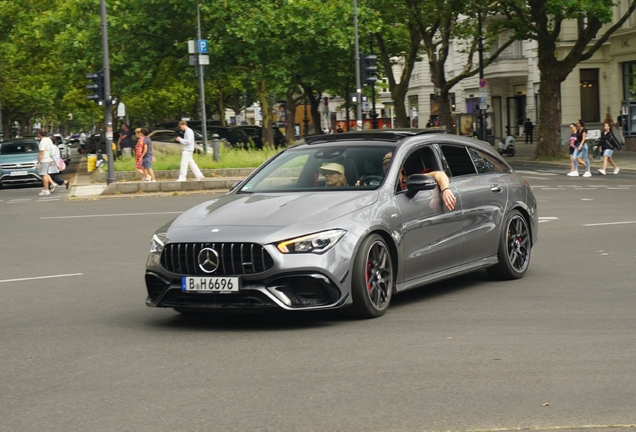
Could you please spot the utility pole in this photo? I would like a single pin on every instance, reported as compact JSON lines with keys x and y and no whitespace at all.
{"x":108,"y":114}
{"x":357,"y":56}
{"x":373,"y":114}
{"x":204,"y":125}
{"x":482,"y":82}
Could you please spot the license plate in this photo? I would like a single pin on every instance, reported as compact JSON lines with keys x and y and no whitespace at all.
{"x":18,"y":173}
{"x":209,"y":284}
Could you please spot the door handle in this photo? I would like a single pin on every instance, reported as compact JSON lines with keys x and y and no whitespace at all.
{"x":496,"y":188}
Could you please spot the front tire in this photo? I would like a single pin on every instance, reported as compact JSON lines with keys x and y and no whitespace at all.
{"x":514,"y":248}
{"x":372,"y":281}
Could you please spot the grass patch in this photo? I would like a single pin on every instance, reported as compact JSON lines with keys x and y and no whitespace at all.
{"x":234,"y":158}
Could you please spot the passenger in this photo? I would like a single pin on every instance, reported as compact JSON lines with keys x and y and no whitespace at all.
{"x":334,"y":174}
{"x":440,"y":177}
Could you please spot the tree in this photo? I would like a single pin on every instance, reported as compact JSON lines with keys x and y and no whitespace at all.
{"x":542,"y":21}
{"x":442,"y":22}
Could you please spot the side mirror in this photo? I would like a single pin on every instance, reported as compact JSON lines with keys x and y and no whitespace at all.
{"x":419,"y":182}
{"x":235,"y":185}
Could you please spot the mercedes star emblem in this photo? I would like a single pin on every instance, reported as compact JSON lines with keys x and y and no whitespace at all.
{"x":208,"y":260}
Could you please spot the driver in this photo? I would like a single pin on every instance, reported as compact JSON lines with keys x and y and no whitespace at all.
{"x":334,"y":174}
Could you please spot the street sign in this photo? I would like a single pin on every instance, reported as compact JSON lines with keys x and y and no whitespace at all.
{"x":190,"y":47}
{"x":203,"y":46}
{"x":204,"y":59}
{"x":483,"y":106}
{"x":121,"y":110}
{"x":482,"y":82}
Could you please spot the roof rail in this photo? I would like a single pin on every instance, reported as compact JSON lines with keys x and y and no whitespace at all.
{"x":371,"y":135}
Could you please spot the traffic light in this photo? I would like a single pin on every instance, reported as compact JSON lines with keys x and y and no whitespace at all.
{"x":97,"y":87}
{"x":369,"y":69}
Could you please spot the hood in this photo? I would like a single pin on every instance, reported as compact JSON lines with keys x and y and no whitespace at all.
{"x":275,"y":210}
{"x":19,"y":158}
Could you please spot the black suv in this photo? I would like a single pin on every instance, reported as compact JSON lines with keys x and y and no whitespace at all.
{"x":256,"y":133}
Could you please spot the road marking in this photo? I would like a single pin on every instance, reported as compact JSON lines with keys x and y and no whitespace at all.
{"x":46,"y":199}
{"x":587,"y":199}
{"x":553,"y":189}
{"x":40,"y":277}
{"x":536,"y":172}
{"x":617,"y":188}
{"x":109,"y":215}
{"x":610,"y":223}
{"x":18,"y":200}
{"x":548,"y":217}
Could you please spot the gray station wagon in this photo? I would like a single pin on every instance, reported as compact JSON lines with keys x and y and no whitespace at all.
{"x":289,"y":237}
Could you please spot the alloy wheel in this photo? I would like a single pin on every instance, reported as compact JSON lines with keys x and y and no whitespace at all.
{"x":379,"y":275}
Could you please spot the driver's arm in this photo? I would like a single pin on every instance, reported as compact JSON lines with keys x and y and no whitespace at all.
{"x":442,"y":181}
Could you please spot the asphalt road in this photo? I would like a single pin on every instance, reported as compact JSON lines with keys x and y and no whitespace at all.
{"x":81,"y":351}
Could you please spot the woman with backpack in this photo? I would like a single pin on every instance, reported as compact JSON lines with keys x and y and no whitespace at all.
{"x":58,"y":165}
{"x":608,"y":143}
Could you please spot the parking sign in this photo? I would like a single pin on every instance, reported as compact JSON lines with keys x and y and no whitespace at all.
{"x":203,"y":45}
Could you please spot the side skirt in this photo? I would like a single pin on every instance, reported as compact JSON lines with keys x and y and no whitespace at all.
{"x":447,"y":274}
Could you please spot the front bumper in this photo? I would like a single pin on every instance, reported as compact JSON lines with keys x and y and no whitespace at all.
{"x":293,"y":282}
{"x":31,"y":177}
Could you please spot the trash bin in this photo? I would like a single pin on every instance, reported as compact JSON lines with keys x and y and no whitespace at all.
{"x":91,"y":160}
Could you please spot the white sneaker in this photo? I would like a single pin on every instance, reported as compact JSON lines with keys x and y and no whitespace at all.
{"x":200,"y":178}
{"x":587,"y":174}
{"x":180,"y":180}
{"x":573,"y":174}
{"x":52,"y":187}
{"x":153,"y":181}
{"x":147,"y":178}
{"x":44,"y":192}
{"x":602,"y":171}
{"x":616,"y":170}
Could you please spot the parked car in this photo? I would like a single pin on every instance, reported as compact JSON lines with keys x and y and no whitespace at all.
{"x":164,"y":140}
{"x":92,"y":144}
{"x":256,"y":133}
{"x":230,"y":134}
{"x":63,"y":145}
{"x":282,"y":239}
{"x":18,"y":158}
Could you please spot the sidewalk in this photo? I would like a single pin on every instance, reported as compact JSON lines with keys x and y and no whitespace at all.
{"x":525,"y":153}
{"x":91,"y":185}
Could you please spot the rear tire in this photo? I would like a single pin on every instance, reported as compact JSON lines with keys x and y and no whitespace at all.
{"x":511,"y":152}
{"x":514,"y":248}
{"x":372,"y":280}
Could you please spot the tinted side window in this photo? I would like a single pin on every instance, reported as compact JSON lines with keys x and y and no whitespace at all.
{"x":497,"y":165}
{"x":458,"y":160}
{"x":483,"y":165}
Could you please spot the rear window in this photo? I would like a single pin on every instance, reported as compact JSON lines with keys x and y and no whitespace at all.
{"x":19,"y":147}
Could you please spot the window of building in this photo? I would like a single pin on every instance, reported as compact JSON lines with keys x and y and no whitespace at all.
{"x":590,"y":101}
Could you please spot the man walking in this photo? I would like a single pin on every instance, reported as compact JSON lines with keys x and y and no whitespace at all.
{"x":44,"y":160}
{"x":124,"y":143}
{"x":529,"y":127}
{"x":186,"y":155}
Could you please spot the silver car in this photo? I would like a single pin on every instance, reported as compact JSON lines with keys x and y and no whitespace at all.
{"x":288,"y":238}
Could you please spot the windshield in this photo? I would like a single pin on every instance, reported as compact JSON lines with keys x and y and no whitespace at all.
{"x":322,"y":169}
{"x":19,"y":147}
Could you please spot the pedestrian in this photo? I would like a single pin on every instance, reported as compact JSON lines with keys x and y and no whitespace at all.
{"x":139,"y":153}
{"x":529,"y":128}
{"x":54,"y":170}
{"x":82,"y":138}
{"x":186,"y":155}
{"x":575,"y":137}
{"x":429,"y":123}
{"x":148,"y":158}
{"x":608,"y":143}
{"x":339,"y":128}
{"x":124,"y":143}
{"x":44,"y":160}
{"x":581,"y":150}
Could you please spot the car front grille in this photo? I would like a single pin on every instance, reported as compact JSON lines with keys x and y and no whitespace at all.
{"x":234,"y":258}
{"x":17,"y":166}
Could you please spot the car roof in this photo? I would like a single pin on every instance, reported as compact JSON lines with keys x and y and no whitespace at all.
{"x":386,"y":135}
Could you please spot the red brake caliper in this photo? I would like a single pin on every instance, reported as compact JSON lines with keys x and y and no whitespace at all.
{"x":368,"y":275}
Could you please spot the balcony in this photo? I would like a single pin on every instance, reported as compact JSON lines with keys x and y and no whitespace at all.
{"x":507,"y":67}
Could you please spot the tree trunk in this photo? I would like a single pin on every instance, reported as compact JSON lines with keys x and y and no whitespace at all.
{"x":221,"y":108}
{"x":290,"y":116}
{"x":445,"y":112}
{"x":550,"y":114}
{"x":263,"y":98}
{"x":7,"y":128}
{"x":398,"y":94}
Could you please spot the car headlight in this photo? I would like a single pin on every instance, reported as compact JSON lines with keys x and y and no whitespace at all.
{"x":157,"y":243}
{"x":313,"y":243}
